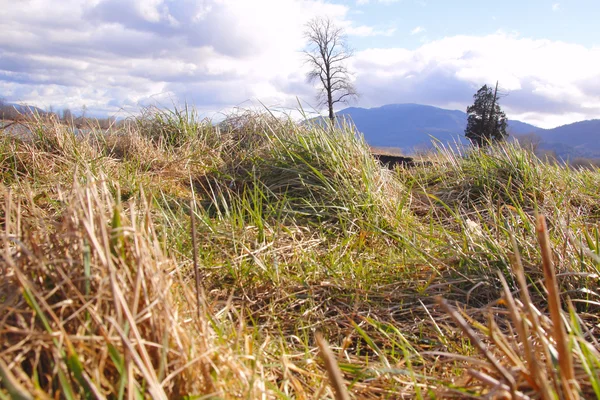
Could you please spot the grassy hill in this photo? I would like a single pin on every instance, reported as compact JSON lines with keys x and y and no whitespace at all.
{"x":174,"y":259}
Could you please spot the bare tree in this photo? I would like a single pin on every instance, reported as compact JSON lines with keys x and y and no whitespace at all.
{"x":327,"y":54}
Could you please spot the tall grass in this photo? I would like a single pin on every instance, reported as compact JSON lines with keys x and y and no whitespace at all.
{"x":171,"y":257}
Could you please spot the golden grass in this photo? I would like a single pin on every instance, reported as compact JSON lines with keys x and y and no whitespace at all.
{"x":90,"y":296}
{"x":170,"y":258}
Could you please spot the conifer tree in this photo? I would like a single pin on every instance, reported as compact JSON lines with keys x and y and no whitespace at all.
{"x":486,"y":121}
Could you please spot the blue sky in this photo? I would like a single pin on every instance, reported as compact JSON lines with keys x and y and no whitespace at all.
{"x":573,"y":21}
{"x":116,"y":56}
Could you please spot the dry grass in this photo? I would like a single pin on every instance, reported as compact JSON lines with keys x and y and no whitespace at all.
{"x":110,"y":290}
{"x":91,"y":305}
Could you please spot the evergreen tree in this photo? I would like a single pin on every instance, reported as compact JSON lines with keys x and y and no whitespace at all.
{"x":486,"y":121}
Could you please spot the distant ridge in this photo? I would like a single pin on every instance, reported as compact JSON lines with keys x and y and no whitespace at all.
{"x":407,"y":126}
{"x":583,"y":133}
{"x":412,"y":126}
{"x":11,"y":111}
{"x":25,"y":109}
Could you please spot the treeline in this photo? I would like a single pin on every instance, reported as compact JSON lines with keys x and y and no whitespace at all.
{"x":11,"y":112}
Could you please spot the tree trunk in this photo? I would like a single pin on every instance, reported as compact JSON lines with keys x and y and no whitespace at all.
{"x":330,"y":99}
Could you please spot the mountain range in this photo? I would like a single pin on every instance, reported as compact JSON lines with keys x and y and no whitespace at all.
{"x":413,"y":126}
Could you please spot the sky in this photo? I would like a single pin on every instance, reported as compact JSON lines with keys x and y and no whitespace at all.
{"x":113,"y":57}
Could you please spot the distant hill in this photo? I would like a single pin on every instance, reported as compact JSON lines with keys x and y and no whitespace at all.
{"x":583,"y":133}
{"x":409,"y":126}
{"x":26,"y":109}
{"x":12,"y":110}
{"x":580,"y":139}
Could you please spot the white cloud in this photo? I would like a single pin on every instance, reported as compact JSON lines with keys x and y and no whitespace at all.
{"x":417,"y":30}
{"x":555,"y":6}
{"x":364,"y":30}
{"x":362,"y":2}
{"x":111,"y":54}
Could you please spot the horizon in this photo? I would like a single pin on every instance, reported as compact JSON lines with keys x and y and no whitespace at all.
{"x":322,"y":114}
{"x":455,"y":109}
{"x":115,"y":57}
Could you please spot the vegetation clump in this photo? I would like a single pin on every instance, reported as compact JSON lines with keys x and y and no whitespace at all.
{"x":171,"y":257}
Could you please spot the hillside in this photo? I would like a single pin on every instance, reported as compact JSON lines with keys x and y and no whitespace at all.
{"x":410,"y":125}
{"x":580,"y":139}
{"x":12,"y":110}
{"x":168,"y":258}
{"x":578,"y":134}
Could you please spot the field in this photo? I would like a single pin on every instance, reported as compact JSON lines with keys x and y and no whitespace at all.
{"x":171,"y":258}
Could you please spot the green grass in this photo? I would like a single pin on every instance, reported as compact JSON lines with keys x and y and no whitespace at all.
{"x":299,"y":230}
